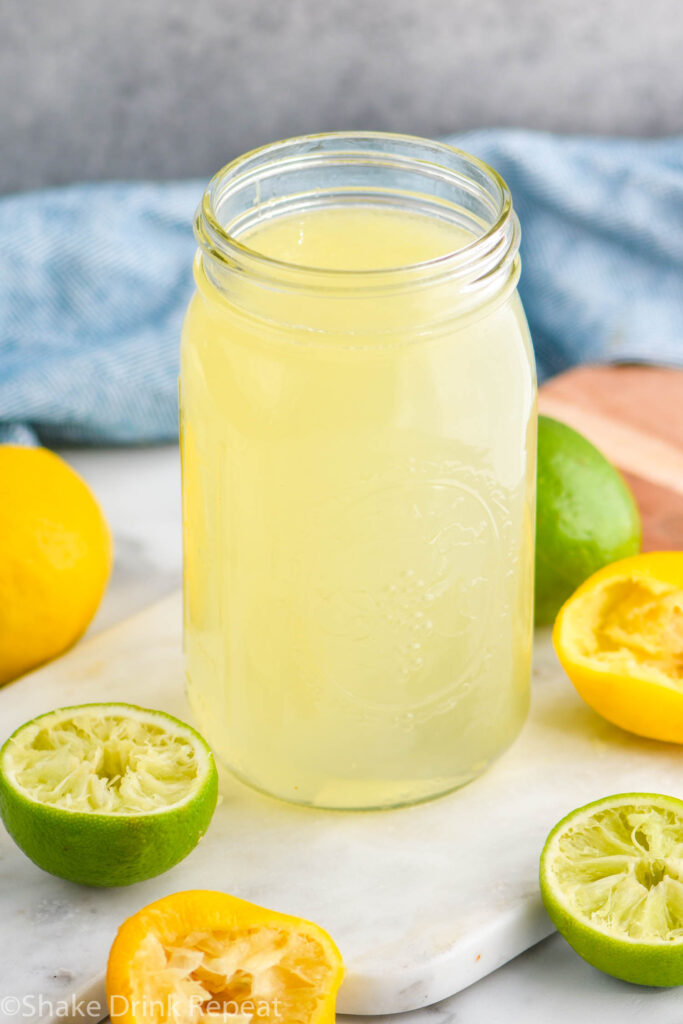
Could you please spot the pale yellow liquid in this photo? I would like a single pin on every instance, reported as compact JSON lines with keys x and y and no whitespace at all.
{"x":358,"y":523}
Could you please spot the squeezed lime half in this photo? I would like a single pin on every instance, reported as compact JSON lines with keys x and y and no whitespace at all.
{"x":106,"y":794}
{"x":612,"y":882}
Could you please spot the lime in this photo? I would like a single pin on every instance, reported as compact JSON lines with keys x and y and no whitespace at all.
{"x":106,"y":794}
{"x":586,"y":516}
{"x":612,"y":883}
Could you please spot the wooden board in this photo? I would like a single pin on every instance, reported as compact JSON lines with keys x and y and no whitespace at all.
{"x":634,"y":414}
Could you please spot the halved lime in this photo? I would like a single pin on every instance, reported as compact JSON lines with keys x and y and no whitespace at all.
{"x":106,"y":794}
{"x":612,"y":883}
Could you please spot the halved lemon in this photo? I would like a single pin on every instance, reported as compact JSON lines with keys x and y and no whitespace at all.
{"x":620,"y":640}
{"x":106,"y":794}
{"x":203,"y":957}
{"x":612,"y":882}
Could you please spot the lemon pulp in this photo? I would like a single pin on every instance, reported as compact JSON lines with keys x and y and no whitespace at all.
{"x":200,"y":956}
{"x":238,"y":975}
{"x":633,"y":625}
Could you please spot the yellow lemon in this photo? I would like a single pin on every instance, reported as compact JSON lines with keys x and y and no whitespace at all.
{"x":208,"y":956}
{"x":620,"y":641}
{"x":55,"y":558}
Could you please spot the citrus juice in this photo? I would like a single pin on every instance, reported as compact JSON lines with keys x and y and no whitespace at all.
{"x":358,"y":516}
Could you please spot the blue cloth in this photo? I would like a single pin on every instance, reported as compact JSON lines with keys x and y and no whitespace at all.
{"x":94,"y":280}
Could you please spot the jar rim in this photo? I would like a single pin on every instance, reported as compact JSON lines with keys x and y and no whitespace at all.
{"x":487,"y":255}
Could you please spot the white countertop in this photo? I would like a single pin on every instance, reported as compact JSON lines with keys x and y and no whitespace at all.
{"x":139,"y":489}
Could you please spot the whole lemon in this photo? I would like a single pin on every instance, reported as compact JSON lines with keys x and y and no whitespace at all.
{"x":55,"y":557}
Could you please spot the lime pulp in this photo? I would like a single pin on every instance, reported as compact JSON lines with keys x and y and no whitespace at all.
{"x":612,"y":882}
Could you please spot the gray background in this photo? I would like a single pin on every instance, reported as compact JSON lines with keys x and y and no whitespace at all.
{"x":93,"y":89}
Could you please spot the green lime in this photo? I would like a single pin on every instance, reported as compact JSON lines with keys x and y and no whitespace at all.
{"x":106,"y":794}
{"x":612,"y":883}
{"x":586,"y":516}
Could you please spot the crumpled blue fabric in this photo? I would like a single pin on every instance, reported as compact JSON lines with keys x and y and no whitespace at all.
{"x":95,"y":279}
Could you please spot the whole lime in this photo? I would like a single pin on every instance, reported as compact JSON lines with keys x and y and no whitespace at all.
{"x":586,"y":516}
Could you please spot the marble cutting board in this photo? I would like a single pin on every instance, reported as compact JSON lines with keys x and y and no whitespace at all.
{"x":422,"y":901}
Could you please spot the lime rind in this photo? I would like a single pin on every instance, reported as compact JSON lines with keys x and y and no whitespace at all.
{"x":611,"y":879}
{"x":94,"y":846}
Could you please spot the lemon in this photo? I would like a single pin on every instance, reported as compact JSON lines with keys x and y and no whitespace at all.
{"x":208,"y":956}
{"x":612,"y":882}
{"x":619,"y":638}
{"x":586,"y":516}
{"x":106,"y":794}
{"x":55,"y":558}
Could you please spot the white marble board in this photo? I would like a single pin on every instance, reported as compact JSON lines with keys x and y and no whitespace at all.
{"x":422,"y":901}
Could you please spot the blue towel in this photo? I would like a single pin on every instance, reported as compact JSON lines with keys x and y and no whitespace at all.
{"x":94,"y":281}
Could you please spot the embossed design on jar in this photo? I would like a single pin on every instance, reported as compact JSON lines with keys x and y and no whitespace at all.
{"x":408,"y":587}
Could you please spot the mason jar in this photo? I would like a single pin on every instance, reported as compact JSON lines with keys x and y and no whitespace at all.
{"x":358,"y":449}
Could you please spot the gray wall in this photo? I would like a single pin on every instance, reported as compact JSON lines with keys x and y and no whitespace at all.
{"x":94,"y":89}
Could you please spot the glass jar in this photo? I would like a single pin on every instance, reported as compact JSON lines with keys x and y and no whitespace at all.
{"x":358,"y":445}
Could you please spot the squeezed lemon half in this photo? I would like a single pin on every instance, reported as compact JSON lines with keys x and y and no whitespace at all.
{"x":203,"y":957}
{"x":620,"y":640}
